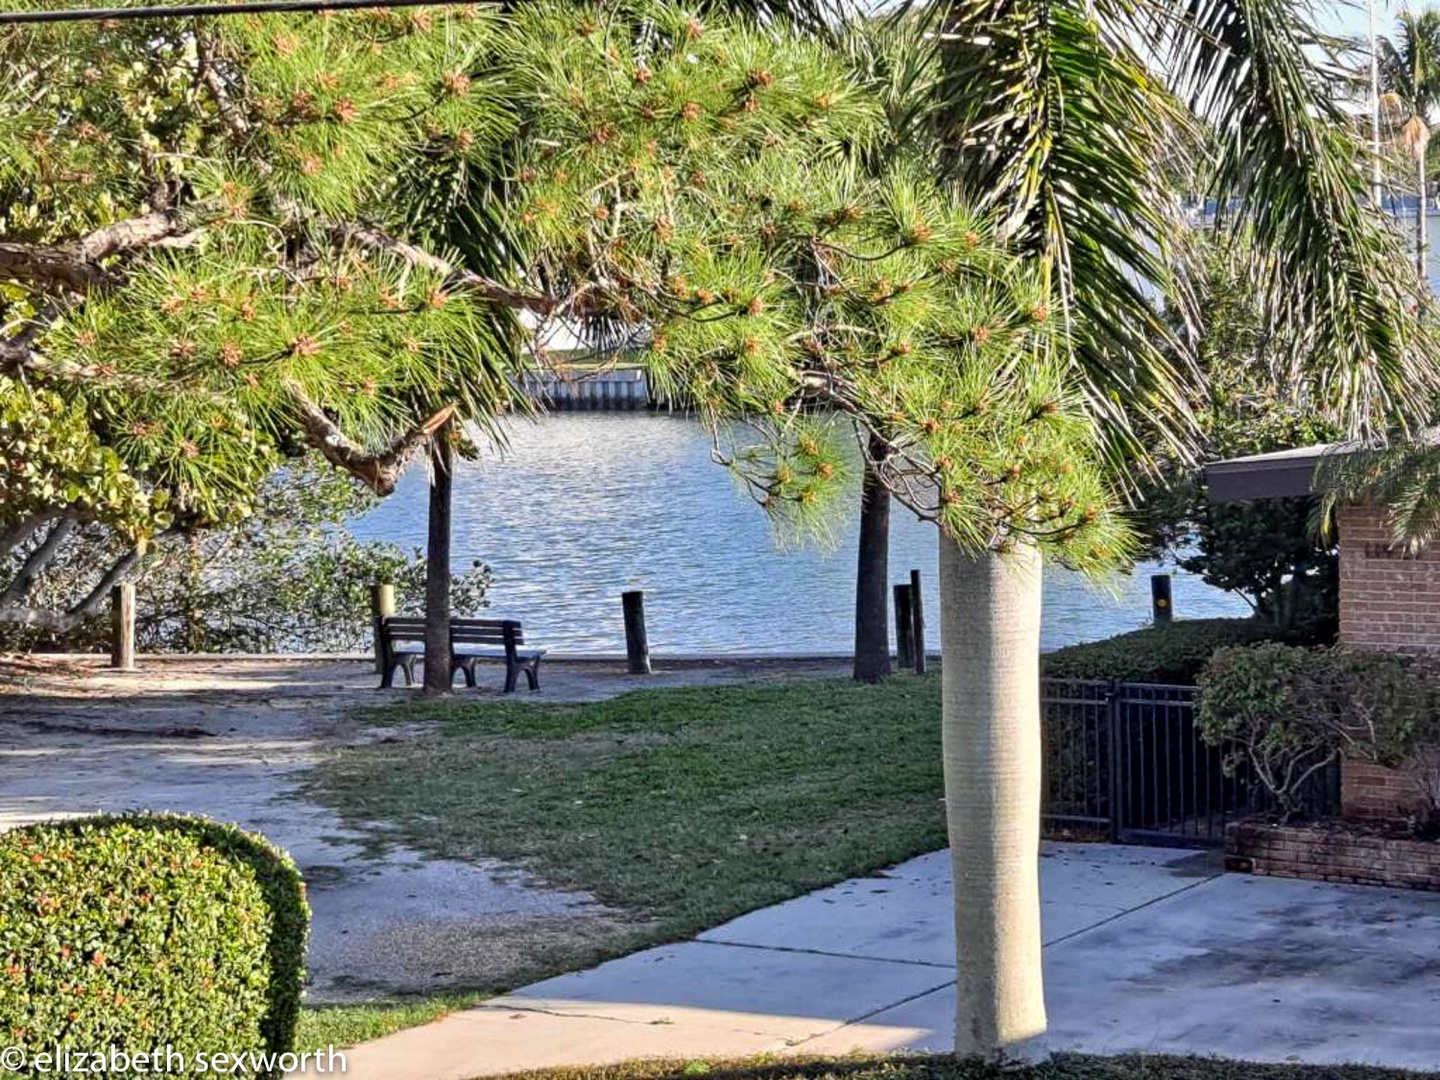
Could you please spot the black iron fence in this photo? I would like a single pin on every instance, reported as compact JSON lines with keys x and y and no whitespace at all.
{"x":1124,"y":762}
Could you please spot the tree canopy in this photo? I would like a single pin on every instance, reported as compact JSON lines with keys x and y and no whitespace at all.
{"x":226,"y":243}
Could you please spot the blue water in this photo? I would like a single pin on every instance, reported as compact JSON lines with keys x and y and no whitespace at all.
{"x":582,"y":507}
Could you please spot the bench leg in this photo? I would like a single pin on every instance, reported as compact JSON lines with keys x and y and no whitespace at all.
{"x":387,"y":677}
{"x":532,"y":675}
{"x":407,"y":665}
{"x":467,"y":668}
{"x":512,"y":676}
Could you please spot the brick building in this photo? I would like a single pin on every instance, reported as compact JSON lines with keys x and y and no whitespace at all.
{"x":1389,"y":598}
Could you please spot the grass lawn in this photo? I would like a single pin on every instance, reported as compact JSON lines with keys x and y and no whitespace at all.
{"x":323,"y":1026}
{"x":936,"y":1067}
{"x":684,"y":807}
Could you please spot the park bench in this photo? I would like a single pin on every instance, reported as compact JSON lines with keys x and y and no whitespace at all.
{"x":402,"y":643}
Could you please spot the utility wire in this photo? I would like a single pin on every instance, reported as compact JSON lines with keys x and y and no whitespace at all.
{"x":180,"y":11}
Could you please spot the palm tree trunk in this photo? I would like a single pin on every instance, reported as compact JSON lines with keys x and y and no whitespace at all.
{"x":438,"y":675}
{"x":990,"y":637}
{"x":872,"y":609}
{"x":1421,"y":244}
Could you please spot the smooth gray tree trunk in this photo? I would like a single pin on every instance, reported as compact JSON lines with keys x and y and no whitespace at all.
{"x":990,"y":677}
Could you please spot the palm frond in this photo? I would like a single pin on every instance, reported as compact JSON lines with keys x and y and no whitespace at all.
{"x":1404,"y":478}
{"x":1287,"y":158}
{"x":1054,"y":121}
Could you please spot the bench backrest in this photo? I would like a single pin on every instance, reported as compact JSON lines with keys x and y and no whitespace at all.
{"x":462,"y":631}
{"x":486,"y":632}
{"x":403,"y":628}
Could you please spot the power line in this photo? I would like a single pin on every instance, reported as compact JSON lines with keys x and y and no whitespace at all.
{"x":179,"y":11}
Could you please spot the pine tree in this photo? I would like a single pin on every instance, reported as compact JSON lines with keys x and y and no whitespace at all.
{"x":209,"y":262}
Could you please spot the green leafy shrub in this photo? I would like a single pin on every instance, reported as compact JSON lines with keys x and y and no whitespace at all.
{"x":1174,"y":653}
{"x":1268,"y":705}
{"x":1291,"y":711}
{"x":139,"y":931}
{"x":289,"y":578}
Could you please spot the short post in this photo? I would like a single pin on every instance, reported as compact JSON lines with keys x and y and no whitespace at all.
{"x":1161,"y":606}
{"x":904,"y":628}
{"x":917,"y":606}
{"x":1115,"y":787}
{"x":637,"y":645}
{"x":382,"y":606}
{"x":122,"y":627}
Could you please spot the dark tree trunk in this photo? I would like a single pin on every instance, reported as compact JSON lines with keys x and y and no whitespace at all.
{"x":437,"y":565}
{"x":872,"y":616}
{"x":194,"y":617}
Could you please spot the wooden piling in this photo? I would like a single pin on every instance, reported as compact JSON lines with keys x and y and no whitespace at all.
{"x":122,"y":627}
{"x":1162,"y":607}
{"x":904,"y":627}
{"x":382,"y":606}
{"x":917,"y":608}
{"x":637,"y":643}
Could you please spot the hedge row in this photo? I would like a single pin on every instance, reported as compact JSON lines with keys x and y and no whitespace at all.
{"x":142,"y":931}
{"x":1173,"y":653}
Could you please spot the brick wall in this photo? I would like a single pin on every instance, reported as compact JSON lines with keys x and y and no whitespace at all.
{"x":1320,"y":855}
{"x":1374,"y":793}
{"x":1388,"y":600}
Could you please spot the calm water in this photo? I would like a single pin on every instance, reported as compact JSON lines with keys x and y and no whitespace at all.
{"x":582,"y":507}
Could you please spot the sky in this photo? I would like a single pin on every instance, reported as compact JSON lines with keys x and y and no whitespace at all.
{"x":1352,"y":18}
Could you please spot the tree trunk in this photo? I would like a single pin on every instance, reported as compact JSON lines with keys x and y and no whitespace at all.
{"x":437,"y":565}
{"x":1421,"y":224}
{"x":194,"y":617}
{"x":872,"y":617}
{"x":990,"y":677}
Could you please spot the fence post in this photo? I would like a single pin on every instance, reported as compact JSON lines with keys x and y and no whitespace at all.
{"x":1112,"y":724}
{"x":637,"y":642}
{"x":382,"y":606}
{"x":1161,"y":606}
{"x":917,"y":608}
{"x":122,"y":627}
{"x":904,"y":628}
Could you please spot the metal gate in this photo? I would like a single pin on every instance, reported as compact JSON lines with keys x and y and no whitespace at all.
{"x":1123,"y":761}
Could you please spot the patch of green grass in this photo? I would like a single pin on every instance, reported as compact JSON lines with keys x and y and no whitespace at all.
{"x":941,"y":1067}
{"x":323,"y":1026}
{"x":685,"y":807}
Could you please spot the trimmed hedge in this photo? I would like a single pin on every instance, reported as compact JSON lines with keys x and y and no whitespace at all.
{"x":1176,"y":653}
{"x":138,"y":931}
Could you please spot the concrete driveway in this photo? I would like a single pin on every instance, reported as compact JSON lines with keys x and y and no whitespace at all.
{"x":1146,"y":950}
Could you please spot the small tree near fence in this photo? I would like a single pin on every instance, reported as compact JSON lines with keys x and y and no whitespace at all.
{"x":1291,"y":712}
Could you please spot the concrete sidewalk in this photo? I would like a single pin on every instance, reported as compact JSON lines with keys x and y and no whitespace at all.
{"x":1146,"y":950}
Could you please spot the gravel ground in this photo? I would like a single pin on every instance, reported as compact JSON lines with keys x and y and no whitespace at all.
{"x":228,"y":738}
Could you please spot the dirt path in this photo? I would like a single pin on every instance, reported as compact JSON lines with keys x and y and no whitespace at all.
{"x":228,"y":738}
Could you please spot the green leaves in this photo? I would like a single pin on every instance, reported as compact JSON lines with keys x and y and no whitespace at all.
{"x":710,"y":188}
{"x":55,"y":464}
{"x":1050,"y":119}
{"x":149,"y":930}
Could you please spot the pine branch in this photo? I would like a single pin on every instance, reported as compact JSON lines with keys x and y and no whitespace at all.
{"x":211,"y":80}
{"x":379,"y":471}
{"x":76,"y":265}
{"x":481,"y":288}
